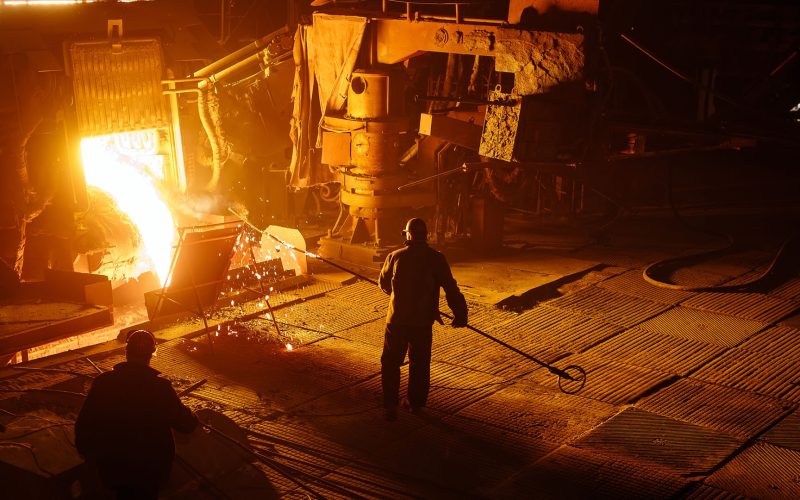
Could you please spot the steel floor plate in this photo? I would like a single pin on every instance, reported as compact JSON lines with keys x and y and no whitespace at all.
{"x":607,"y":380}
{"x":697,"y":277}
{"x":562,"y":331}
{"x":754,"y":371}
{"x":575,"y":474}
{"x":754,"y":306}
{"x":478,"y":353}
{"x":716,"y":329}
{"x":611,"y":307}
{"x":327,"y":314}
{"x":369,"y":334}
{"x":761,"y":471}
{"x":786,"y":433}
{"x":776,"y":341}
{"x":657,"y":351}
{"x":362,"y":293}
{"x":788,"y":290}
{"x":706,"y":492}
{"x":632,"y":283}
{"x":736,"y":413}
{"x":444,"y":449}
{"x":539,"y":412}
{"x":639,"y":436}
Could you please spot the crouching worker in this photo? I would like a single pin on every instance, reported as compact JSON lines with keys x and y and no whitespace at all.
{"x":124,"y":427}
{"x":412,"y":277}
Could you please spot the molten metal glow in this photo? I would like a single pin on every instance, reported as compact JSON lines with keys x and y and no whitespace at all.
{"x":289,"y":347}
{"x":126,"y":167}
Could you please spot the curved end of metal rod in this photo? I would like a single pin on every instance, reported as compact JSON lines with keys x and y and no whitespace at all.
{"x":571,"y":379}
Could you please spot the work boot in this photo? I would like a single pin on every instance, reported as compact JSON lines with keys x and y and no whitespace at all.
{"x":416,"y":410}
{"x":390,"y":413}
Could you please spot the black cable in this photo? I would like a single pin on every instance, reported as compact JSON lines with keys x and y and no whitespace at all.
{"x":331,"y":471}
{"x":648,"y":273}
{"x":202,"y":477}
{"x":264,"y":460}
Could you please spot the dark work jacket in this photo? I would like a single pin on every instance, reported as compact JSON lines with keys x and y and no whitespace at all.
{"x":125,"y":425}
{"x":412,"y":277}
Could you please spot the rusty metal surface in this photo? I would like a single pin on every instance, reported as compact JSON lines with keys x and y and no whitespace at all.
{"x":711,"y":328}
{"x":785,"y":433}
{"x":657,"y":351}
{"x":761,"y":471}
{"x":539,"y":411}
{"x":632,"y":283}
{"x":562,"y":331}
{"x":607,"y":380}
{"x":572,"y":473}
{"x":755,"y":306}
{"x":640,"y":436}
{"x":754,"y":371}
{"x":609,"y":306}
{"x":734,"y":412}
{"x":775,"y":341}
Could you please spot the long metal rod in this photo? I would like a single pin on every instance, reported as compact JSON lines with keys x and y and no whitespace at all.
{"x":678,"y":73}
{"x":551,"y":368}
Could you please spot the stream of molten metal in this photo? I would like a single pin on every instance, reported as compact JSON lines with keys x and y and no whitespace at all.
{"x":128,"y":168}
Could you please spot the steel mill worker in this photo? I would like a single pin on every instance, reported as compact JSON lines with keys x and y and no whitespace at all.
{"x":124,"y":427}
{"x":412,"y":277}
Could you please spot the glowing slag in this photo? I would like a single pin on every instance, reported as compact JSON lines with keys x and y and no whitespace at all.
{"x":130,"y":179}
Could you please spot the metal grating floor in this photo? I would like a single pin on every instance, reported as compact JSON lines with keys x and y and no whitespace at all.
{"x":455,"y":448}
{"x":327,"y":314}
{"x":563,"y":331}
{"x":702,"y":326}
{"x":567,"y":417}
{"x":754,"y":371}
{"x":695,"y":277}
{"x":755,"y":306}
{"x":736,"y":413}
{"x":607,"y":380}
{"x":632,"y":283}
{"x":639,"y":436}
{"x":363,"y":294}
{"x":575,"y":474}
{"x":609,"y":306}
{"x":706,"y":492}
{"x":369,"y":334}
{"x":478,"y":353}
{"x":761,"y":471}
{"x":657,"y":351}
{"x":788,"y":290}
{"x":786,"y":433}
{"x":775,"y":341}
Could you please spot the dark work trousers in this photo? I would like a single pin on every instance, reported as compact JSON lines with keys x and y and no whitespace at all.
{"x":396,"y":341}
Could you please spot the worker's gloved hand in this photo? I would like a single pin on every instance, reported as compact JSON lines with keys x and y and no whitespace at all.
{"x":459,"y":322}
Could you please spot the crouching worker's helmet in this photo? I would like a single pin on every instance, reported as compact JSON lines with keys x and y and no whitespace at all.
{"x":140,"y":344}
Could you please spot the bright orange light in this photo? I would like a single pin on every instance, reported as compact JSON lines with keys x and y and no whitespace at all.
{"x":126,"y":167}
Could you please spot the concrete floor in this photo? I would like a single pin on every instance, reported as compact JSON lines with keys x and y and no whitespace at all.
{"x":689,"y":394}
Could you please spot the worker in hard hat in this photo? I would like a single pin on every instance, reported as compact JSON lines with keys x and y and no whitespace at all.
{"x":124,"y":427}
{"x":412,"y":277}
